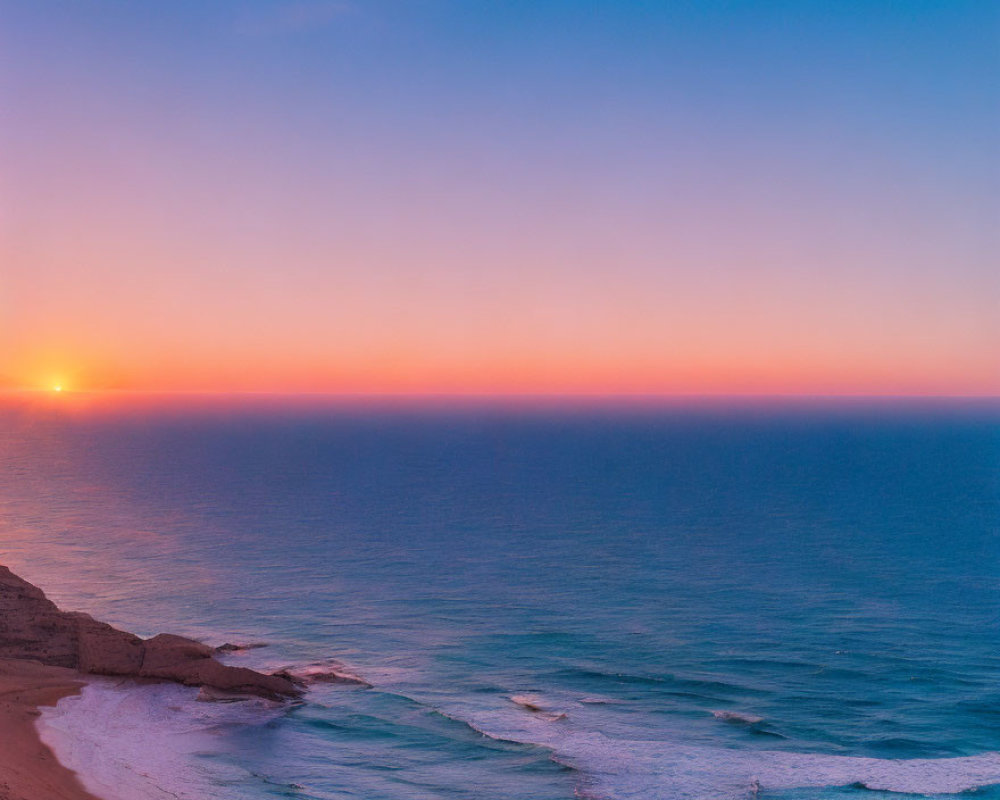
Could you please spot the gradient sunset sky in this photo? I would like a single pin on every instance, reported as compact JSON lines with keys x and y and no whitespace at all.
{"x":518,"y":196}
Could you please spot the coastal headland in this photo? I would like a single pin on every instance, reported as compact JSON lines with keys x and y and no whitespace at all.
{"x":46,"y":654}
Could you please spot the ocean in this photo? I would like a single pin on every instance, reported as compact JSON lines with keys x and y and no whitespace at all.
{"x":626,"y":602}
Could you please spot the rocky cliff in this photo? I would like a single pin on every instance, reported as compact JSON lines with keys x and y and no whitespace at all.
{"x":32,"y":627}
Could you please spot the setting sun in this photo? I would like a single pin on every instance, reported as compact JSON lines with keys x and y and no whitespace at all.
{"x":572,"y":398}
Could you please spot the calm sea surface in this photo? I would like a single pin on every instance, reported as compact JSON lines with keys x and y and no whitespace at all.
{"x":724,"y":602}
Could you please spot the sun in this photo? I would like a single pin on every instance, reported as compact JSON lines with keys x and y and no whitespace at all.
{"x":57,"y":388}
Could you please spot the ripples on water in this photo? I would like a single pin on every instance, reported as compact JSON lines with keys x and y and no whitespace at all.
{"x":673,"y":604}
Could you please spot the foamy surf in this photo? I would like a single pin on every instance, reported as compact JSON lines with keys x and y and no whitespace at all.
{"x":133,"y":742}
{"x":634,"y":770}
{"x":627,"y":769}
{"x":737,"y":718}
{"x":329,"y":671}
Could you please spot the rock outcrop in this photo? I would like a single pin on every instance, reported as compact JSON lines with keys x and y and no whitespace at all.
{"x":229,"y":647}
{"x":325,"y":672}
{"x":32,"y":627}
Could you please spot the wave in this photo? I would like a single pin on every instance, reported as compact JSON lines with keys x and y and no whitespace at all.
{"x":613,"y":768}
{"x":737,"y":718}
{"x":631,"y":769}
{"x":128,"y":741}
{"x":625,"y":770}
{"x":329,"y":671}
{"x":142,"y":742}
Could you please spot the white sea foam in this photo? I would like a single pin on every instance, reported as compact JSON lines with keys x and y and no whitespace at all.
{"x":329,"y":671}
{"x":638,"y":770}
{"x":737,"y":717}
{"x":628,"y":769}
{"x":132,"y":742}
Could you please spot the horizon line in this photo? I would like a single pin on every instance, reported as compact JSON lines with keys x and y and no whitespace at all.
{"x":66,"y":392}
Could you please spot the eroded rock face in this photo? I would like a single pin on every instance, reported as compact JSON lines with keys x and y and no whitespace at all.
{"x":209,"y":672}
{"x":104,"y":650}
{"x":32,"y":627}
{"x":166,"y":649}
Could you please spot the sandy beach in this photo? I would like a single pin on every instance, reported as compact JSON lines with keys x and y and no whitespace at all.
{"x":46,"y":652}
{"x":28,"y":769}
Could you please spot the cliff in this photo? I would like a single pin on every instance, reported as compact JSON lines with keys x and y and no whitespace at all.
{"x":33,"y":627}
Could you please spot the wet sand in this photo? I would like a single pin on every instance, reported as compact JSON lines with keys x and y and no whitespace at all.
{"x":28,"y":768}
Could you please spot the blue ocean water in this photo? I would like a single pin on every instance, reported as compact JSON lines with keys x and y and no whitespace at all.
{"x":715,"y":601}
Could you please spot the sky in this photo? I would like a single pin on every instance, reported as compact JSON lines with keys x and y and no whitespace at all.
{"x":527,"y":196}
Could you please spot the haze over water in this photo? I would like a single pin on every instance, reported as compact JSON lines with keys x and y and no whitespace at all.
{"x":698,"y":599}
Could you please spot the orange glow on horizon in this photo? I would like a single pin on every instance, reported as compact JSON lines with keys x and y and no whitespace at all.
{"x":575,"y":376}
{"x":335,"y":213}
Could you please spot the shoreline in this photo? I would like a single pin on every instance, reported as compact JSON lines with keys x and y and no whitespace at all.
{"x":29,"y":770}
{"x":46,"y":654}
